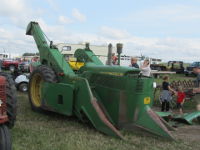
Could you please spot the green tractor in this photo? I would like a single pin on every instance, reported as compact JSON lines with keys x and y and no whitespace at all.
{"x":110,"y":97}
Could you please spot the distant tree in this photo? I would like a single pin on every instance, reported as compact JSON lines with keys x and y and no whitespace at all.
{"x":30,"y":54}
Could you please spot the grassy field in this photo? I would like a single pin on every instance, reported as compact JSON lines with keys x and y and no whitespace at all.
{"x":50,"y":131}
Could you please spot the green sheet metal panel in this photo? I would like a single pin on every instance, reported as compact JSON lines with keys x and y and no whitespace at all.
{"x":86,"y":103}
{"x":127,"y":101}
{"x":163,"y":114}
{"x":86,"y":55}
{"x":191,"y":116}
{"x":58,"y":97}
{"x":188,"y":117}
{"x":121,"y":96}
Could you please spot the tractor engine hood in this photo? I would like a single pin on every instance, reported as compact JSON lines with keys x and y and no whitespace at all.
{"x":112,"y":70}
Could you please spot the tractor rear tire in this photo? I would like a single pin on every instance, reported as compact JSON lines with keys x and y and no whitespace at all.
{"x":40,"y":74}
{"x":5,"y":138}
{"x":11,"y":99}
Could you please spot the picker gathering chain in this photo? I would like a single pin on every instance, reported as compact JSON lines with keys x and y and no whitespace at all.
{"x":110,"y":97}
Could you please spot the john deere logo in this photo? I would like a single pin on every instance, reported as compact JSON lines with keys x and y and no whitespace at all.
{"x":147,"y":100}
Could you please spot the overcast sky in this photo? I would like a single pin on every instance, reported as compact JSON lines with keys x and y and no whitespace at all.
{"x":156,"y":28}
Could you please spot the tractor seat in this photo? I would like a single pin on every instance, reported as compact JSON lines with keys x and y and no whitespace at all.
{"x":74,"y":64}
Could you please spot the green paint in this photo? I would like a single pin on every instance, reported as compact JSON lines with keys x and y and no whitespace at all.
{"x":109,"y":96}
{"x":188,"y":117}
{"x":58,"y":97}
{"x":163,"y":114}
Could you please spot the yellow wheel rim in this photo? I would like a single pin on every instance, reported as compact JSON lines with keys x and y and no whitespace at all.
{"x":35,"y":89}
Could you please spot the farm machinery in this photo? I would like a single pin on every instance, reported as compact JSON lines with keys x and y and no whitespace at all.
{"x":7,"y":109}
{"x":176,"y":66}
{"x":187,"y":85}
{"x":110,"y":97}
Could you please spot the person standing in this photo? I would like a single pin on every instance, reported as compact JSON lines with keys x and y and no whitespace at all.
{"x":145,"y":68}
{"x":114,"y":59}
{"x":166,"y":94}
{"x":134,"y":63}
{"x":197,"y":71}
{"x":180,"y":99}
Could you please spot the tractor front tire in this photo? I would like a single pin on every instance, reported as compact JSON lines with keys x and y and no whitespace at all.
{"x":40,"y":74}
{"x":23,"y":87}
{"x":5,"y":138}
{"x":11,"y":99}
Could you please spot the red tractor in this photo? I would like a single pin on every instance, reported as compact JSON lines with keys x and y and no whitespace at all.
{"x":7,"y":109}
{"x":9,"y":64}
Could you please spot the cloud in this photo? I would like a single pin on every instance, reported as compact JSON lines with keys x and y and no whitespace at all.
{"x":8,"y":8}
{"x":114,"y":33}
{"x":14,"y":40}
{"x":64,"y":20}
{"x":165,"y":20}
{"x":165,"y":48}
{"x":53,"y":5}
{"x":5,"y":34}
{"x":78,"y":15}
{"x":186,"y":49}
{"x":18,"y":12}
{"x":173,"y":13}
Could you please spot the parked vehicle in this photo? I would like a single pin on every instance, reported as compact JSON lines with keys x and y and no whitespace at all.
{"x":9,"y":64}
{"x":176,"y":66}
{"x":4,"y":56}
{"x":189,"y":70}
{"x":21,"y":82}
{"x":157,"y":65}
{"x":24,"y":66}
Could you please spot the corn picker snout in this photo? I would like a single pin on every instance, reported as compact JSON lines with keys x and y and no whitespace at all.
{"x":110,"y":97}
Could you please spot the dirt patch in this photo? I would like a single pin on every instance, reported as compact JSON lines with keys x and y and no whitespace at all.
{"x":188,"y":133}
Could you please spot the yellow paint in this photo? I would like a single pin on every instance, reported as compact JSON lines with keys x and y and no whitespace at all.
{"x":35,"y":89}
{"x":147,"y":100}
{"x":76,"y":65}
{"x":113,"y":73}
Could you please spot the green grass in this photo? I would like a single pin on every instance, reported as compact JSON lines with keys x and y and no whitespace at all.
{"x":49,"y":131}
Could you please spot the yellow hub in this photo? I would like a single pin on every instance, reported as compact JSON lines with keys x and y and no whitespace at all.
{"x":35,"y":89}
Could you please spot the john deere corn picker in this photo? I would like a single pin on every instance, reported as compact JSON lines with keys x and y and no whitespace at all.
{"x":110,"y":97}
